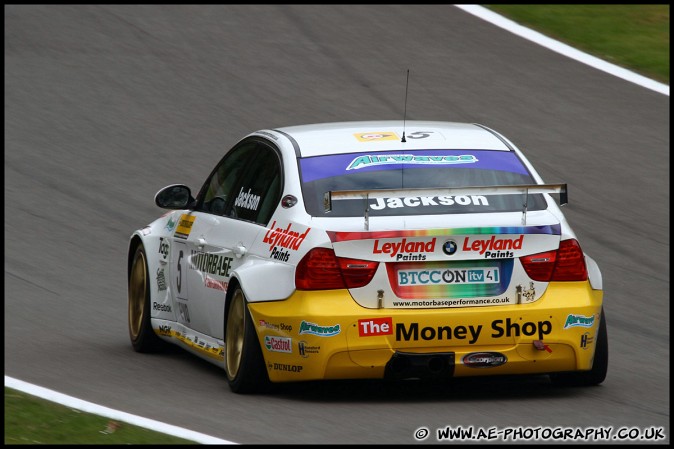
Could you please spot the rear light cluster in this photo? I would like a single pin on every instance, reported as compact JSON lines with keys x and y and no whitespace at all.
{"x":321,"y":269}
{"x":565,"y":264}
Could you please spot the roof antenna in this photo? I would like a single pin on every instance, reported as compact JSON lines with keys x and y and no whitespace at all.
{"x":405,"y":113}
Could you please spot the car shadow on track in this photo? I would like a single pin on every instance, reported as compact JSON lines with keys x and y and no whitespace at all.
{"x":485,"y":388}
{"x":473,"y":389}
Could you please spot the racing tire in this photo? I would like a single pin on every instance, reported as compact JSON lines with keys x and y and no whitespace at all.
{"x":597,"y":374}
{"x":244,"y":363}
{"x":143,"y":338}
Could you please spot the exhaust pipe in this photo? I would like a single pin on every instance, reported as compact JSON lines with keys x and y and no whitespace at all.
{"x":407,"y":365}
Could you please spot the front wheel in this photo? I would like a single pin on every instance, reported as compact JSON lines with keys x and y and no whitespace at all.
{"x":143,"y":338}
{"x":597,"y":374}
{"x":244,"y":364}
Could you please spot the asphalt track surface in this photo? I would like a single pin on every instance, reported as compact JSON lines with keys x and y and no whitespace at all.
{"x":104,"y":105}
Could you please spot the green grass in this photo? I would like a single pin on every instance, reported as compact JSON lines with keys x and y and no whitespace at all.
{"x":632,"y":36}
{"x":635,"y":37}
{"x":30,"y":420}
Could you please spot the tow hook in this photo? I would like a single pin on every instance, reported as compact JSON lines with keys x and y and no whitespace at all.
{"x":538,"y":344}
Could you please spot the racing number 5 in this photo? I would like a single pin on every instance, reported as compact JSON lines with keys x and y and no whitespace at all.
{"x":419,"y":134}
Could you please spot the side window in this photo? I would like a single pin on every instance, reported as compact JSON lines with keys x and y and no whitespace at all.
{"x":246,"y":184}
{"x":258,"y":192}
{"x":220,"y":186}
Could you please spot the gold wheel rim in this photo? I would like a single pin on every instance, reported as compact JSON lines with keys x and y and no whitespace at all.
{"x":137,"y":295}
{"x":235,"y":333}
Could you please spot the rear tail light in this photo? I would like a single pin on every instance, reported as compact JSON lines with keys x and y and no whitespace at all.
{"x":320,"y":269}
{"x":357,"y":273}
{"x":567,"y":263}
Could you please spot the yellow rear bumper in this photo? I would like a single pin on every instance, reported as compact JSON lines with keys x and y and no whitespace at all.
{"x":326,"y":335}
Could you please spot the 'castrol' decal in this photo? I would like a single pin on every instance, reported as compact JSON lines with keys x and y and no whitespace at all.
{"x":278,"y":344}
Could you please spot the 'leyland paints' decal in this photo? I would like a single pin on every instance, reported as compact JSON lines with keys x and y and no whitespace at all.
{"x":288,"y":238}
{"x":493,"y":247}
{"x":397,"y":249}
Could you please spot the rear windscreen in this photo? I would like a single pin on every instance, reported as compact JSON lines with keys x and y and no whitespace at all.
{"x":413,"y":170}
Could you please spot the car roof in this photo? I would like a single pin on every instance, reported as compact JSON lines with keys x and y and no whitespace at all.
{"x":386,"y":135}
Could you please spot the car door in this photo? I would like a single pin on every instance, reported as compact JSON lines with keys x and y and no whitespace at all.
{"x":238,"y":200}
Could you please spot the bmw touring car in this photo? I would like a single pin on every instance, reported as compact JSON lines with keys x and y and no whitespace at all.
{"x":370,"y":250}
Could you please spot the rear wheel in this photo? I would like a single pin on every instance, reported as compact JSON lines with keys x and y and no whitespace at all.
{"x":244,"y":364}
{"x":597,"y":374}
{"x":143,"y":338}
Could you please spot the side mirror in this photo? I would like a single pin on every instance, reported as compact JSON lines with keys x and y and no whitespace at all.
{"x":176,"y":196}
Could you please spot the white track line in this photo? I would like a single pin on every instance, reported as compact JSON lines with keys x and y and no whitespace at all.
{"x":476,"y":10}
{"x":564,"y":49}
{"x":90,"y":407}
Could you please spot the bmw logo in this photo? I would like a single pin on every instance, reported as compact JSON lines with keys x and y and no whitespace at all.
{"x":449,"y":247}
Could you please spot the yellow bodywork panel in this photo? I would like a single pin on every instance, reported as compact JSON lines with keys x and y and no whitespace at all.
{"x":325,"y":335}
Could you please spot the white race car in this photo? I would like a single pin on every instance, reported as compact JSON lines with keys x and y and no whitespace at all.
{"x":424,"y":250}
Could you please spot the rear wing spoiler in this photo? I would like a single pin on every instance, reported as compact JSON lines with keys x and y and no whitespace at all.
{"x":525,"y":189}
